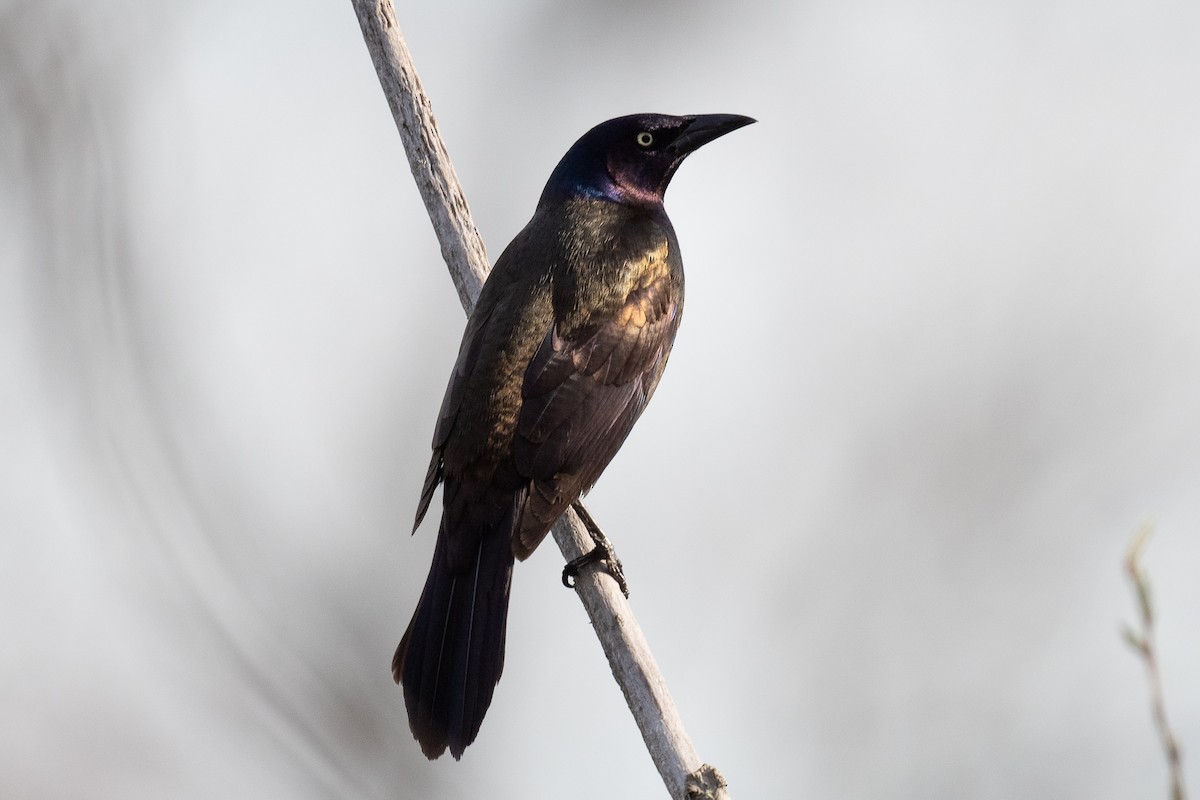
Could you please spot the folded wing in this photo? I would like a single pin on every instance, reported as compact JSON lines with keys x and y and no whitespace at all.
{"x":581,"y":395}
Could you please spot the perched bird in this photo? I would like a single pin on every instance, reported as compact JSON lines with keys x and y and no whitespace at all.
{"x":562,"y":352}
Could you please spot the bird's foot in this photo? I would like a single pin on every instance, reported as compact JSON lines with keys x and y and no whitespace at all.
{"x":596,"y":554}
{"x":602,"y":552}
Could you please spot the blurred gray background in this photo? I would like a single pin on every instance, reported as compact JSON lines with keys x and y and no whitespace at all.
{"x":941,"y":358}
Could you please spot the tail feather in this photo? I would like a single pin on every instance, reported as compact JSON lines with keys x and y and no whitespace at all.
{"x":452,"y":654}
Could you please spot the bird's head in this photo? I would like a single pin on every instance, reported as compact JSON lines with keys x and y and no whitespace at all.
{"x":631,"y":159}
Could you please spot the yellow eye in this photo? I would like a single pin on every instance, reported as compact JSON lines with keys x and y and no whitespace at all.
{"x":645,"y":139}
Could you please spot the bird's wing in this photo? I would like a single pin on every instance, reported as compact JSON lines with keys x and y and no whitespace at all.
{"x":468,"y":356}
{"x":582,"y":393}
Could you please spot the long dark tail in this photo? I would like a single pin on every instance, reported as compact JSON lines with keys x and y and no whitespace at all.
{"x":452,"y":654}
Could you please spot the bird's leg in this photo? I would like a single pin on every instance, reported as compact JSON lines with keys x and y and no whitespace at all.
{"x":603,"y":551}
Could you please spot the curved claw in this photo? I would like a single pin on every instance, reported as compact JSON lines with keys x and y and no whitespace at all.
{"x":572,"y":568}
{"x":617,"y":571}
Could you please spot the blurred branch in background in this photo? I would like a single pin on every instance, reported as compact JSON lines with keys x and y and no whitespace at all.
{"x":139,"y":571}
{"x":628,"y":654}
{"x":1142,"y":641}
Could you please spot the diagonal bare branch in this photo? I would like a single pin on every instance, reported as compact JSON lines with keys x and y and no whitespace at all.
{"x":633,"y":666}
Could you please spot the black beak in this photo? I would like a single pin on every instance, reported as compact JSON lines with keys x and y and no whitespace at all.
{"x":703,"y":128}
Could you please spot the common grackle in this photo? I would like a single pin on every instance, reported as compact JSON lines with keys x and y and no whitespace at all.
{"x":562,"y":352}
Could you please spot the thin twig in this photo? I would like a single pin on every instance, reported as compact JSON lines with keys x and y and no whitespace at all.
{"x":685,"y":776}
{"x":1142,"y":641}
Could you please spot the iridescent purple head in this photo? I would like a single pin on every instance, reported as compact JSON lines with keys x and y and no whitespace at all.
{"x":632,"y":159}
